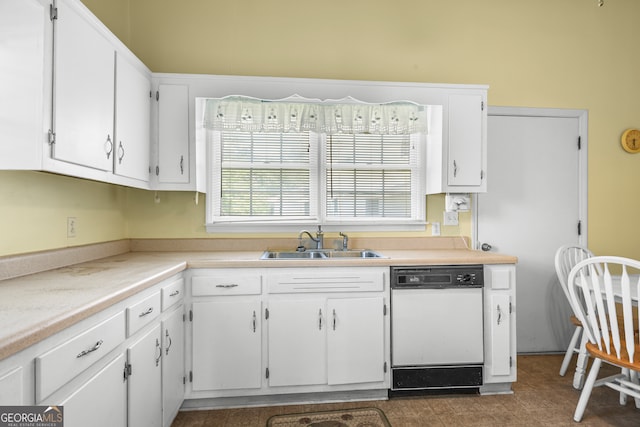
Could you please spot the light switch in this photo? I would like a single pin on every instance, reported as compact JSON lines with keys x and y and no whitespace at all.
{"x":435,"y":229}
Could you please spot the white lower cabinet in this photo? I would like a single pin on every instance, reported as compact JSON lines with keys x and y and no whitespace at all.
{"x":297,"y":342}
{"x":173,"y":377}
{"x":227,"y":344}
{"x":288,"y":330}
{"x":145,"y":380}
{"x":12,"y":387}
{"x":101,"y":401}
{"x":500,"y":327}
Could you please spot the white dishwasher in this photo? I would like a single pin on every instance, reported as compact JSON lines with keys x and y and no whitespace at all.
{"x":436,"y":328}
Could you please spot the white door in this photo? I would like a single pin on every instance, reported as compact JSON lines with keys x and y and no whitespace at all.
{"x":535,"y":200}
{"x":84,"y":91}
{"x":145,"y":381}
{"x":227,"y":344}
{"x":172,"y":365}
{"x":297,"y":342}
{"x":355,"y":342}
{"x":101,"y":401}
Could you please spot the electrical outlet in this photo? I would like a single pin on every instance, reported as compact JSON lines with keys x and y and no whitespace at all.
{"x":71,"y":226}
{"x":435,"y":228}
{"x":450,"y":218}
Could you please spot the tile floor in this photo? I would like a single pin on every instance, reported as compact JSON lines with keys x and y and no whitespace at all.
{"x":541,"y":398}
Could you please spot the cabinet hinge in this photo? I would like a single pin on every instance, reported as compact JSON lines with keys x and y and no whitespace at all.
{"x":481,"y":105}
{"x":384,"y":368}
{"x":579,"y":143}
{"x":52,"y":137}
{"x":190,"y":376}
{"x":481,"y":174}
{"x":127,"y":370}
{"x":266,"y":314}
{"x":579,"y":228}
{"x":157,"y":95}
{"x":53,"y":11}
{"x":384,"y":309}
{"x":510,"y":308}
{"x":266,"y":373}
{"x":191,"y":315}
{"x":510,"y":361}
{"x":157,"y":170}
{"x":184,"y":380}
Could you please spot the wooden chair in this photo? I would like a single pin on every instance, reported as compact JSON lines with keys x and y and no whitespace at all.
{"x":567,"y":256}
{"x":603,"y":294}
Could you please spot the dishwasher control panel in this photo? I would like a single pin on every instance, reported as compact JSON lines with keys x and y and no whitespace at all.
{"x":456,"y":276}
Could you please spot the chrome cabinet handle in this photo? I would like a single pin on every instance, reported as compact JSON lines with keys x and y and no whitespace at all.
{"x":121,"y":153}
{"x":174,"y":293}
{"x":499,"y":314}
{"x":334,"y":319}
{"x":91,"y":350}
{"x":455,"y":169}
{"x":181,"y":165}
{"x":159,"y":351}
{"x":254,"y":321}
{"x":108,"y":146}
{"x":144,"y":313}
{"x":168,"y":338}
{"x":231,"y":285}
{"x":320,"y":319}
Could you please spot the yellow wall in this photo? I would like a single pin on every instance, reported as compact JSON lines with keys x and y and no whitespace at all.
{"x":543,"y":53}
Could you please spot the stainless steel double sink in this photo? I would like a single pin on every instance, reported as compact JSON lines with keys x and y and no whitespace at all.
{"x":322,"y":254}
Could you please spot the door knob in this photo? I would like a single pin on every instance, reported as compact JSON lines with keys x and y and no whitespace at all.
{"x":485,"y":247}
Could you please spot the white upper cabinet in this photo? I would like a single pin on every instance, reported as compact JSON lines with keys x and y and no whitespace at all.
{"x":133,"y":110}
{"x":72,"y":88}
{"x":24,"y":37}
{"x":84,"y":85}
{"x":457,"y":144}
{"x":173,"y":166}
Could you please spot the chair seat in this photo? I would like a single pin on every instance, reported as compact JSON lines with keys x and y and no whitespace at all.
{"x":623,"y":362}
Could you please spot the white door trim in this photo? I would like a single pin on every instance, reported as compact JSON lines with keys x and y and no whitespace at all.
{"x":583,"y":127}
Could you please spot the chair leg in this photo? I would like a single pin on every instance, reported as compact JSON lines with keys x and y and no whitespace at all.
{"x":586,"y":391}
{"x":581,"y":365}
{"x":570,"y":350}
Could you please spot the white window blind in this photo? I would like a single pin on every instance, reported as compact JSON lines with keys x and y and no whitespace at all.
{"x":372,"y":176}
{"x":264,"y":176}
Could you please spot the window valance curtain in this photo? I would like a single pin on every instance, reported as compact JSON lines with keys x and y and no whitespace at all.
{"x":298,"y":114}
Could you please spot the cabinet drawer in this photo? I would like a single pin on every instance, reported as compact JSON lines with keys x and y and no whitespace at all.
{"x":499,"y":276}
{"x":142,"y":313}
{"x":226,"y":285}
{"x":326,"y":280}
{"x":172,"y":293}
{"x":61,"y":364}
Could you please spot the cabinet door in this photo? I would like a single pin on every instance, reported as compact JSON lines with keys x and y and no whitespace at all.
{"x":145,"y":381}
{"x":101,"y":401}
{"x":297,"y":342}
{"x":172,"y":365}
{"x":355,"y":340}
{"x":24,"y":38}
{"x":465,"y":140}
{"x":133,"y":116}
{"x":173,"y":134}
{"x":83,"y":91}
{"x":12,"y":387}
{"x":500,"y":327}
{"x":227,"y":344}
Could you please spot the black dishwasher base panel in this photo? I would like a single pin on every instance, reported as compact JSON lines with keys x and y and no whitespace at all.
{"x":436,"y":377}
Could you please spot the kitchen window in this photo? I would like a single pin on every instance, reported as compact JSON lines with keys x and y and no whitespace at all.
{"x":297,"y":162}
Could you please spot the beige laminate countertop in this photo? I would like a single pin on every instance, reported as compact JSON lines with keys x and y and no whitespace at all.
{"x":36,"y":306}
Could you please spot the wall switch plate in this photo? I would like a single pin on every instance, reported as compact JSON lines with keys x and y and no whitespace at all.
{"x":450,"y":218}
{"x":435,"y":229}
{"x":71,"y":226}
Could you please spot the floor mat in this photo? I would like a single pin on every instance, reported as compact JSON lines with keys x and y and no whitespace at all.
{"x":361,"y":417}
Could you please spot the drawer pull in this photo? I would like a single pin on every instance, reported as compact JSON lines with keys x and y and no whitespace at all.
{"x":232,"y":285}
{"x":144,"y":313}
{"x":174,"y":293}
{"x":91,"y":350}
{"x":159,"y":352}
